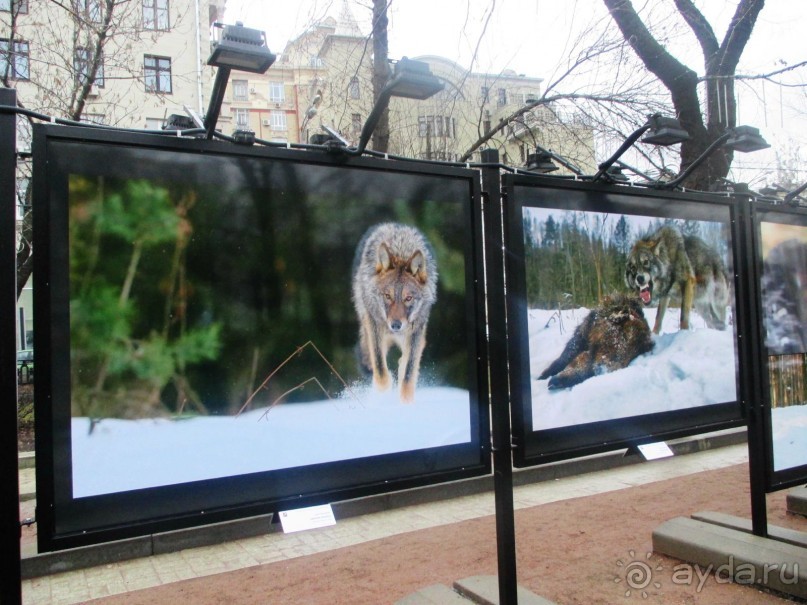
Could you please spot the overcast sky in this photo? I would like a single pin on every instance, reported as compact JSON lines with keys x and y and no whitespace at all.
{"x":533,"y":37}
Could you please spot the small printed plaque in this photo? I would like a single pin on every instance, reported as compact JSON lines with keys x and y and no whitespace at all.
{"x":654,"y":451}
{"x":312,"y":517}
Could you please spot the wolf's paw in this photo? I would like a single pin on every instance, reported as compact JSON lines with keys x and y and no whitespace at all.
{"x":407,"y":392}
{"x":382,"y":382}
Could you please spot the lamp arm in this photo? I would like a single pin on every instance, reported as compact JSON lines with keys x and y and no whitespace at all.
{"x":790,"y":197}
{"x":372,"y":120}
{"x":216,"y":99}
{"x":603,"y":168}
{"x":697,"y":162}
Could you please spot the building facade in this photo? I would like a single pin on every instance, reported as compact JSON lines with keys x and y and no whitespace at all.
{"x":130,"y":66}
{"x":324,"y":78}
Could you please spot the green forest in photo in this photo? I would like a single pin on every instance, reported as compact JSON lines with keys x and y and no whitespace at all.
{"x":185,"y":298}
{"x":573,"y":259}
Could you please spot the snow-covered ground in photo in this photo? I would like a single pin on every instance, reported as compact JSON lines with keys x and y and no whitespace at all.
{"x":121,"y":455}
{"x":789,"y":429}
{"x":686,"y":369}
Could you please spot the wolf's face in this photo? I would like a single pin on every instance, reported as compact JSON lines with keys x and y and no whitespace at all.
{"x":644,"y":272}
{"x":400,"y":287}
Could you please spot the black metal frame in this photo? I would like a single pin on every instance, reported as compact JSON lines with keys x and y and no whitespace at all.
{"x":10,"y":576}
{"x":501,"y":443}
{"x":764,"y":477}
{"x":64,"y":521}
{"x":538,"y":447}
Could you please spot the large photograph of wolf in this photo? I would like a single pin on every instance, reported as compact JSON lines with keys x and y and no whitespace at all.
{"x":783,"y":291}
{"x":627,"y":315}
{"x":294,"y":315}
{"x":394,"y":288}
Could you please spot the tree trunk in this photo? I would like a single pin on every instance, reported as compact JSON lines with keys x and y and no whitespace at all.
{"x":380,"y":71}
{"x":720,"y":62}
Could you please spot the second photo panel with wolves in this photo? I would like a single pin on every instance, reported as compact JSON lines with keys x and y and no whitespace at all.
{"x":625,"y":308}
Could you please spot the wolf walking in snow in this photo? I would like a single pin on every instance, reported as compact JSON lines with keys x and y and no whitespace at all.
{"x":394,"y":288}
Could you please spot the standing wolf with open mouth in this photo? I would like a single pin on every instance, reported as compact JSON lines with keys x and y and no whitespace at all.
{"x":667,"y":259}
{"x":394,"y":288}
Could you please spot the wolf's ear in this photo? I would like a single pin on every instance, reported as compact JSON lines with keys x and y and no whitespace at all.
{"x":384,"y":260}
{"x":417,"y":266}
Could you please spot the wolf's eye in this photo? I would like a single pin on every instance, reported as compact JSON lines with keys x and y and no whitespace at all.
{"x":387,"y":296}
{"x":408,"y":298}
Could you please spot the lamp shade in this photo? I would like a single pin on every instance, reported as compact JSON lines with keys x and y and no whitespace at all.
{"x":664,"y":131}
{"x":746,"y":139}
{"x":241,"y":48}
{"x":414,"y":80}
{"x":540,"y":162}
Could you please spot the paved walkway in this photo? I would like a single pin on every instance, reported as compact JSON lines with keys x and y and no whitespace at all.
{"x":81,"y":585}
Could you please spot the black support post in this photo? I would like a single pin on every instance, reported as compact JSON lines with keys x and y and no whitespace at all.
{"x":749,"y":351}
{"x":499,"y":386}
{"x":10,"y":577}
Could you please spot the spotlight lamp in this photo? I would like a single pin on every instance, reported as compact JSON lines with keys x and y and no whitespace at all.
{"x":410,"y":79}
{"x":664,"y":131}
{"x":740,"y":138}
{"x":240,"y":48}
{"x":745,"y":139}
{"x":540,"y":162}
{"x":660,"y":131}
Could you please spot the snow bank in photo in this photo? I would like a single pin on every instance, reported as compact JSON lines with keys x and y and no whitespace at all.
{"x":120,"y":455}
{"x":686,"y":369}
{"x":789,"y":429}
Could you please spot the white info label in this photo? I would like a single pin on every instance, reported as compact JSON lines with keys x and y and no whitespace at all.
{"x":307,"y":518}
{"x":653,"y":451}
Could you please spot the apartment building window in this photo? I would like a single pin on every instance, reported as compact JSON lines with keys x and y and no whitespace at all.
{"x":484,"y":94}
{"x":240,"y":90}
{"x":353,"y":90}
{"x":502,"y":96}
{"x":437,"y":126}
{"x":155,"y":15}
{"x":355,"y":123}
{"x":277,"y":94}
{"x":20,"y":6}
{"x":315,"y":61}
{"x":241,"y":118}
{"x":89,"y":10}
{"x":15,"y":60}
{"x":278,"y":120}
{"x":82,"y":65}
{"x":157,"y":74}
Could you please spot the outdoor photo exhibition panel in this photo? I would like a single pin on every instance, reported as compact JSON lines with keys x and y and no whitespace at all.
{"x":780,"y":250}
{"x":212,"y":323}
{"x":621,"y":316}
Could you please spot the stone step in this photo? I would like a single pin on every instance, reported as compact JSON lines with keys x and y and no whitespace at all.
{"x":437,"y":594}
{"x":781,"y":534}
{"x":797,"y":501}
{"x":745,"y":558}
{"x":484,"y":590}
